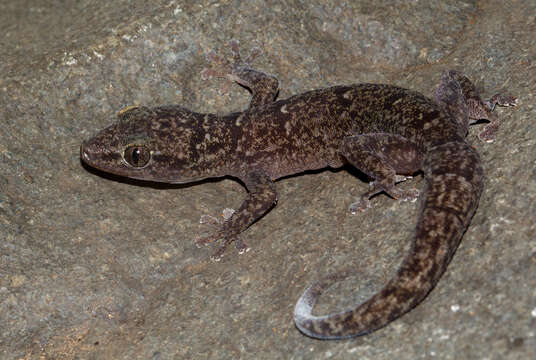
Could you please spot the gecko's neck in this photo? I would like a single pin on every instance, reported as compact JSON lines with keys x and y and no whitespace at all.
{"x":214,"y":142}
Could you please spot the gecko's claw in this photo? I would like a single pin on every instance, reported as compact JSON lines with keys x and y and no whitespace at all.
{"x":359,"y":206}
{"x":240,"y":245}
{"x":218,"y":254}
{"x":209,"y":220}
{"x":410,"y":195}
{"x":253,"y":54}
{"x":402,"y":178}
{"x":489,"y":132}
{"x":235,"y":50}
{"x":364,"y":203}
{"x":206,"y":240}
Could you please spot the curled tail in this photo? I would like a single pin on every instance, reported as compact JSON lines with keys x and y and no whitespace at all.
{"x":453,"y":175}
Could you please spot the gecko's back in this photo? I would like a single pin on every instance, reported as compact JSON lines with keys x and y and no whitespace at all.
{"x":306,"y":131}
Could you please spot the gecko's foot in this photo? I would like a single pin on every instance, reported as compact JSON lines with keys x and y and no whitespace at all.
{"x":214,"y":222}
{"x":219,"y":68}
{"x":223,"y":68}
{"x":218,"y":254}
{"x":206,"y":240}
{"x":363,"y":203}
{"x":410,"y":195}
{"x":490,"y":130}
{"x":359,"y":206}
{"x":376,"y":187}
{"x":501,"y":100}
{"x":209,"y":220}
{"x":401,"y":178}
{"x":240,"y":245}
{"x":399,"y":194}
{"x":235,"y":49}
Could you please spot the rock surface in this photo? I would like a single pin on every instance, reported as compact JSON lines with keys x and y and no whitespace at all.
{"x":98,"y":267}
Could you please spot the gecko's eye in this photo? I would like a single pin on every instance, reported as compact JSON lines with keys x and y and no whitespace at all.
{"x":137,"y":155}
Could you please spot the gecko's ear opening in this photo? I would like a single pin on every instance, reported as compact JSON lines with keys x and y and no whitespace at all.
{"x":137,"y":156}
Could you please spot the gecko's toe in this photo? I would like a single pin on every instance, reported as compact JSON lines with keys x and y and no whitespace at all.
{"x":241,"y":246}
{"x":401,"y":178}
{"x":218,"y":254}
{"x":509,"y":101}
{"x":488,"y":134}
{"x":502,"y":100}
{"x":359,"y":206}
{"x":410,"y":195}
{"x":201,"y":241}
{"x":209,"y":220}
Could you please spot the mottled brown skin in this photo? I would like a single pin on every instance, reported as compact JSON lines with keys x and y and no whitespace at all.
{"x":385,"y":131}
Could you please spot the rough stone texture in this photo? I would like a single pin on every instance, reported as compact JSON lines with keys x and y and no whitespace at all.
{"x":97,"y":267}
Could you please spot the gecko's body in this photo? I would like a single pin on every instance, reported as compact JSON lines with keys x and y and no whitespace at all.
{"x":385,"y":131}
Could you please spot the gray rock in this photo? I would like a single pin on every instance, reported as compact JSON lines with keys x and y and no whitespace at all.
{"x":97,"y":267}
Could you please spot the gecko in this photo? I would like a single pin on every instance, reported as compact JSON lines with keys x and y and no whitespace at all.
{"x":387,"y":132}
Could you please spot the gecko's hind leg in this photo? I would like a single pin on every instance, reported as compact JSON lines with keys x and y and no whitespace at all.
{"x":476,"y":108}
{"x":264,"y":87}
{"x":382,"y":157}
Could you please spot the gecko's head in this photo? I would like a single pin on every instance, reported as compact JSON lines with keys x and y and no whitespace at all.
{"x":148,"y":144}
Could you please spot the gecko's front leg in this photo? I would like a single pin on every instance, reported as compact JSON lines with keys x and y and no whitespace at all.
{"x":261,"y":197}
{"x":263,"y":87}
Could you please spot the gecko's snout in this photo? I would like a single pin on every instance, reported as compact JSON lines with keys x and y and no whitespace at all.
{"x":92,"y":153}
{"x":89,"y":153}
{"x":84,"y":155}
